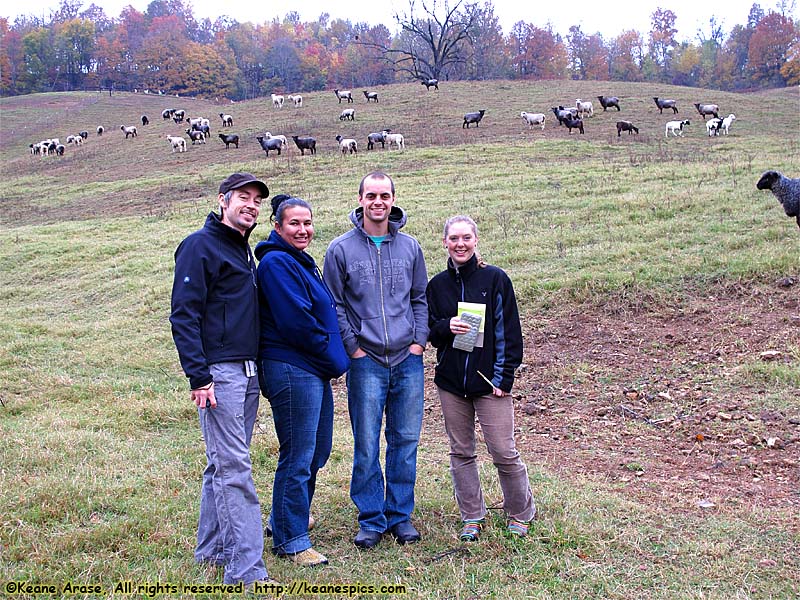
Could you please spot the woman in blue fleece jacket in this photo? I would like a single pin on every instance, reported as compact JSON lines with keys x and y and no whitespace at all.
{"x":300,"y":351}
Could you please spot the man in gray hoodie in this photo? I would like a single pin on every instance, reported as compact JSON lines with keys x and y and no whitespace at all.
{"x":378,"y":278}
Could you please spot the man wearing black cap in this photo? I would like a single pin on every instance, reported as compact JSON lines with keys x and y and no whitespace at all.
{"x":215,"y":328}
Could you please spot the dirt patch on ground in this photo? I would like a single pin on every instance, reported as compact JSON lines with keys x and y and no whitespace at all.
{"x":683,"y":406}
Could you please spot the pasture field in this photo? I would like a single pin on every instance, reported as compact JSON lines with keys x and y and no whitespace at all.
{"x":657,"y":406}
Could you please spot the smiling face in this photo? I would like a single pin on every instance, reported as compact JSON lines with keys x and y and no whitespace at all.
{"x":460,"y":242}
{"x":377,"y":199}
{"x":296,"y":227}
{"x":241,"y":210}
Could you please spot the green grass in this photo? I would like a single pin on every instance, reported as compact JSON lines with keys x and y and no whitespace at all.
{"x":100,"y":451}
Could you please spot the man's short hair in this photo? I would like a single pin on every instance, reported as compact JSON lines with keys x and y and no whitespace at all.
{"x":374,"y":175}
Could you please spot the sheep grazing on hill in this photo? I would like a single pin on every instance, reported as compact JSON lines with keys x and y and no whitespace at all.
{"x":178,"y":143}
{"x":295,"y":99}
{"x":277,"y":100}
{"x":196,"y":136}
{"x":344,"y":95}
{"x":584,"y":108}
{"x":374,"y":138}
{"x":282,"y":138}
{"x":727,"y":122}
{"x":230,"y":139}
{"x":145,"y":120}
{"x":473,"y":117}
{"x":227,"y":120}
{"x":562,"y":113}
{"x":430,"y":83}
{"x":533,"y":119}
{"x":395,"y":139}
{"x":608,"y":101}
{"x":269,"y":144}
{"x":84,"y":134}
{"x":100,"y":130}
{"x":663,"y":103}
{"x":675,"y":127}
{"x":347,"y":145}
{"x":348,"y":114}
{"x":305,"y":143}
{"x":129,"y":131}
{"x":573,"y":123}
{"x":626,"y":126}
{"x":713,"y":125}
{"x":785,"y":189}
{"x":371,"y":96}
{"x":707,"y":109}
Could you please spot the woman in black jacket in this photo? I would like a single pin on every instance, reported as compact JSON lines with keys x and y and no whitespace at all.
{"x":478,"y":382}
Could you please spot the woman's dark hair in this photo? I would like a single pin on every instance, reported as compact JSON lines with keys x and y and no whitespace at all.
{"x":283,"y":201}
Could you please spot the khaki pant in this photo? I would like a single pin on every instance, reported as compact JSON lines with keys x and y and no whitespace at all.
{"x":496,"y":416}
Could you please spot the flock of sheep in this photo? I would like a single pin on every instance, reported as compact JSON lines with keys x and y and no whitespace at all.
{"x":573,"y":117}
{"x":786,"y":189}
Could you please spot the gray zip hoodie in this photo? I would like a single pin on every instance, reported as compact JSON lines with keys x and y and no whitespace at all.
{"x":381,"y":310}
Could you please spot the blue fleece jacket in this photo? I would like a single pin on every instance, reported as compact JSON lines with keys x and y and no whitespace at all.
{"x":297,"y":311}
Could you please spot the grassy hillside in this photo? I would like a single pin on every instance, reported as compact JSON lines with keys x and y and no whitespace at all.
{"x":101,"y":452}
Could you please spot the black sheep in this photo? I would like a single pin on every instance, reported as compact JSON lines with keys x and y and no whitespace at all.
{"x":786,"y":190}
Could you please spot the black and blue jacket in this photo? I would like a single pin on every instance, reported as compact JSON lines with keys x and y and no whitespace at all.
{"x":214,"y":300}
{"x":501,"y":354}
{"x":299,"y":324}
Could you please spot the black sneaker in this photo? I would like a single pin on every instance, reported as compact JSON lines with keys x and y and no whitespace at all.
{"x":405,"y":533}
{"x":366,"y":538}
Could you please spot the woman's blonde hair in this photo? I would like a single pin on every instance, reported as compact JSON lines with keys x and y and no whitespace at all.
{"x":474,"y":226}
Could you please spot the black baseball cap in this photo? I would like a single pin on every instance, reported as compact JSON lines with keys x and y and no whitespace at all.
{"x":237,"y":180}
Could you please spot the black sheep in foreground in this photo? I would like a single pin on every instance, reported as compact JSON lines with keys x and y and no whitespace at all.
{"x":786,"y":190}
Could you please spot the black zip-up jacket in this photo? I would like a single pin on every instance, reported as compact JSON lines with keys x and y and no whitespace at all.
{"x":214,"y":300}
{"x":501,"y":354}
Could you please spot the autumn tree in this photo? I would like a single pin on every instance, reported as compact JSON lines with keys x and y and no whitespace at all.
{"x":768,"y":49}
{"x":75,"y":44}
{"x":161,"y":57}
{"x":791,"y":70}
{"x":537,"y":53}
{"x":662,"y":39}
{"x":41,"y":67}
{"x":487,"y":57}
{"x":626,"y":53}
{"x":587,"y":55}
{"x":205,"y":72}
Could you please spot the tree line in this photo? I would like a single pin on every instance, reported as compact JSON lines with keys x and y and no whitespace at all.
{"x":165,"y":49}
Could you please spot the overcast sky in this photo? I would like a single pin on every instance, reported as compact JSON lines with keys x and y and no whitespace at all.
{"x":608,"y":18}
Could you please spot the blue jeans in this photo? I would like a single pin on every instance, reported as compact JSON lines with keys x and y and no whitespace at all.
{"x":373,"y":389}
{"x":229,"y":531}
{"x":302,"y":408}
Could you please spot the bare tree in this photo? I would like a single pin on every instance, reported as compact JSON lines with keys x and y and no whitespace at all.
{"x":428,"y":44}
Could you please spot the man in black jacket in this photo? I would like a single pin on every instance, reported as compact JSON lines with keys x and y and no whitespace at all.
{"x":215,"y":328}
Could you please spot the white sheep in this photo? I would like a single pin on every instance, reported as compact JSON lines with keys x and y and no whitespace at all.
{"x":348,"y":114}
{"x":396,"y":139}
{"x":713,"y":125}
{"x":347,"y":145}
{"x":295,"y":99}
{"x":100,"y":130}
{"x":344,"y":95}
{"x":129,"y":131}
{"x":277,"y":101}
{"x":727,"y":122}
{"x":585,"y":108}
{"x":227,"y":120}
{"x":675,"y":127}
{"x":282,"y":138}
{"x":533,"y":119}
{"x":178,"y":143}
